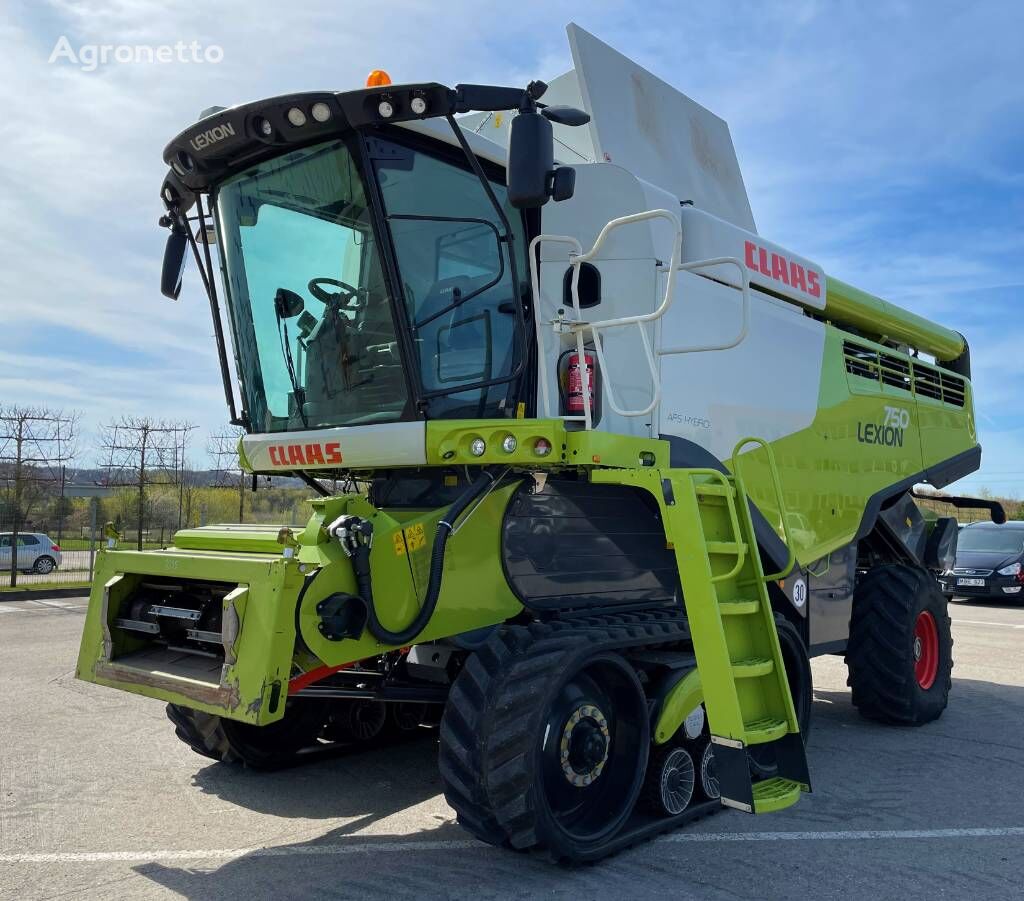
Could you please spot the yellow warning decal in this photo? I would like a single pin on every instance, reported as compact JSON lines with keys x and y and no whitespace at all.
{"x":399,"y":541}
{"x":415,"y":537}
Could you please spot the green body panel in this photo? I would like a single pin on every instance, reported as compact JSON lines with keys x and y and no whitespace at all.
{"x":829,"y":472}
{"x":474,"y":593}
{"x":258,"y":661}
{"x":249,"y":539}
{"x":448,"y":444}
{"x":874,"y":316}
{"x":677,"y":705}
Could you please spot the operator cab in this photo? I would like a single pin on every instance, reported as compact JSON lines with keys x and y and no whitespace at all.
{"x":372,"y":274}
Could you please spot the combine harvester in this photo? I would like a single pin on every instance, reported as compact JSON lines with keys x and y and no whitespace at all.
{"x":625,"y":463}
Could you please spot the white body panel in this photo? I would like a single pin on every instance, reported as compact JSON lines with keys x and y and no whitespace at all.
{"x":658,"y":133}
{"x":386,"y":444}
{"x":767,"y":264}
{"x":765,"y":386}
{"x":629,"y":279}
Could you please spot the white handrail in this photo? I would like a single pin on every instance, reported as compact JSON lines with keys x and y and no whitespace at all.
{"x":578,"y":327}
{"x":535,"y":290}
{"x":744,"y":287}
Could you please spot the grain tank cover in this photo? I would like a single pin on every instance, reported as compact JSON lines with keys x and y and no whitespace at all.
{"x":645,"y":125}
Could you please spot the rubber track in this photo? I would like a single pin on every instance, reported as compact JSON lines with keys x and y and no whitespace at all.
{"x":880,"y":649}
{"x":202,"y":732}
{"x":486,"y":735}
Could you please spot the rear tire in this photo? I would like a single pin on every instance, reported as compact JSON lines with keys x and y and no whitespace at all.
{"x":900,"y":652}
{"x":44,"y":565}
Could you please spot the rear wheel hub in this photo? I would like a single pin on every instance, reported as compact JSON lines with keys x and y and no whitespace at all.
{"x":584,"y":745}
{"x":926,"y":649}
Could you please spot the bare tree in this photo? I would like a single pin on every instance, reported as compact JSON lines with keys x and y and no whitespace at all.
{"x":35,"y":445}
{"x":140,"y":451}
{"x":224,"y":449}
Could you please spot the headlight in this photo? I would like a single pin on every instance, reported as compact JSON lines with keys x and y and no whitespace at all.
{"x":1012,"y":570}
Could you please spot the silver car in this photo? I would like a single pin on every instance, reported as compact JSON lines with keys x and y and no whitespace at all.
{"x":36,"y":553}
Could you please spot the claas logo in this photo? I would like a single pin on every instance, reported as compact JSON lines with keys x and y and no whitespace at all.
{"x":779,"y":269}
{"x":305,"y":454}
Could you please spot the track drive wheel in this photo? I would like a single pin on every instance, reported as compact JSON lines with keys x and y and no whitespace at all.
{"x":900,"y":652}
{"x":268,"y":747}
{"x":549,"y":748}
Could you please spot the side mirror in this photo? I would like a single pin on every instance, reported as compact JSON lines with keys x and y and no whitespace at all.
{"x":566,"y":115}
{"x":531,"y":156}
{"x":174,"y":264}
{"x":287,"y":304}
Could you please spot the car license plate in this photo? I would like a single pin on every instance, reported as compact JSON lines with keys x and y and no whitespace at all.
{"x":978,"y":583}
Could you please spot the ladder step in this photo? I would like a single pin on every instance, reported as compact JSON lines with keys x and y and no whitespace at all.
{"x":753,"y":666}
{"x":715,"y":489}
{"x":739,"y":606}
{"x":758,"y":732}
{"x":733,"y":548}
{"x":775,"y":794}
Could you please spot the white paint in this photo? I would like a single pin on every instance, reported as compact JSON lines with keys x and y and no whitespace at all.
{"x":337,"y":850}
{"x":793,"y":276}
{"x":657,"y":132}
{"x":767,"y":385}
{"x":855,"y":835}
{"x":382,"y":444}
{"x":979,"y":622}
{"x":799,"y":592}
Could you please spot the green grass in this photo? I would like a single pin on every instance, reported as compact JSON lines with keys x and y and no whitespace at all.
{"x":44,"y":586}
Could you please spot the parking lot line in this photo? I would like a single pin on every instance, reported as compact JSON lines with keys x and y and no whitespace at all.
{"x":469,"y":845}
{"x":981,"y":622}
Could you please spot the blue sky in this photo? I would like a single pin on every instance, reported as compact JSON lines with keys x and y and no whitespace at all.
{"x":883,"y":140}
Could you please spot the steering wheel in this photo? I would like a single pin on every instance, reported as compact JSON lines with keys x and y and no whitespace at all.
{"x":346,"y":295}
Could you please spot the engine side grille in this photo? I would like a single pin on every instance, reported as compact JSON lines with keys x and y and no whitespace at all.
{"x":897,"y":371}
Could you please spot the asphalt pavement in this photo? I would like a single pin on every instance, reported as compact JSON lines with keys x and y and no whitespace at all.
{"x":98,"y":799}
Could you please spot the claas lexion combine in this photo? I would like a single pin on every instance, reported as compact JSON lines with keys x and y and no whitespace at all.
{"x":624,"y":465}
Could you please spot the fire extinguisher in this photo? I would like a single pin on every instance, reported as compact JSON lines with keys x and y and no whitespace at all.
{"x":574,"y":395}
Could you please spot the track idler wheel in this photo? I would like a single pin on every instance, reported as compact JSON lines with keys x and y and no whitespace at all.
{"x":359,"y":721}
{"x":670,"y":780}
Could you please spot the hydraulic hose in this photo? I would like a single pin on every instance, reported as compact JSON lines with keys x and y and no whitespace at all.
{"x":361,"y":565}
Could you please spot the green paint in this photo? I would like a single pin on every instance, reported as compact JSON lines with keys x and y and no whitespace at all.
{"x":264,"y":647}
{"x":874,"y":316}
{"x":679,"y":703}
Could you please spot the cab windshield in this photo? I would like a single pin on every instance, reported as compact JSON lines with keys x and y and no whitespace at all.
{"x":314,"y":335}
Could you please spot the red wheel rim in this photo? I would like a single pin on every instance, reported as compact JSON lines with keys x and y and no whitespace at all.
{"x":926,"y":649}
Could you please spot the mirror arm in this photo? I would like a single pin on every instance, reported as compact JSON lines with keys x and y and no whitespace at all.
{"x":209,"y":283}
